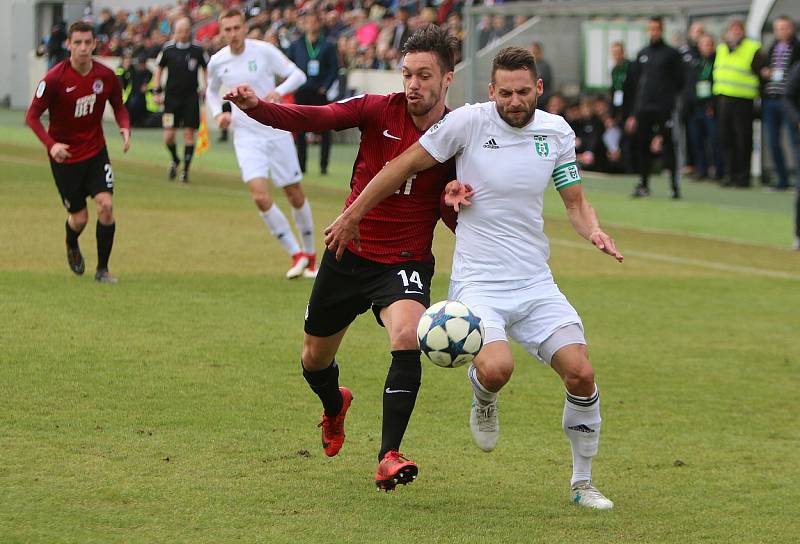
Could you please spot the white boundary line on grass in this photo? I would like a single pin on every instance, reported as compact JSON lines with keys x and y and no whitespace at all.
{"x":748,"y":270}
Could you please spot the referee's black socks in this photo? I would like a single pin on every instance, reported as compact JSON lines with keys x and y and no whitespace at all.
{"x":188,"y":153}
{"x":105,"y":241}
{"x":399,"y":396}
{"x":173,"y":150}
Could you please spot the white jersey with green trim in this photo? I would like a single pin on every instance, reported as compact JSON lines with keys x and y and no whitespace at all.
{"x":500,"y":237}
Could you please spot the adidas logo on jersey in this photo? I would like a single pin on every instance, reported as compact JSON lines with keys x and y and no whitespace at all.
{"x":491,"y":144}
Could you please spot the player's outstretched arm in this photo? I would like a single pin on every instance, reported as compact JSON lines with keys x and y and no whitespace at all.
{"x":345,"y":229}
{"x":584,"y":220}
{"x":295,"y":117}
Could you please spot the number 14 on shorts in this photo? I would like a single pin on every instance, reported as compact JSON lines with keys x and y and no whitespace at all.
{"x":408,"y":280}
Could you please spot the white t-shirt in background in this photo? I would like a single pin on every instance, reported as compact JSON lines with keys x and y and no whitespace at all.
{"x":257,"y":65}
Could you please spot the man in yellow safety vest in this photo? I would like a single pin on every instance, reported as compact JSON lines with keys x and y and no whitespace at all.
{"x":737,"y":67}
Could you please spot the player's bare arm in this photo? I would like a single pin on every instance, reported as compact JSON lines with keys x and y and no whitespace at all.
{"x":584,"y":220}
{"x":126,"y":139}
{"x":345,"y":229}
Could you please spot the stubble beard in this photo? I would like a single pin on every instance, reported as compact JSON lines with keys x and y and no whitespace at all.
{"x":523,"y":122}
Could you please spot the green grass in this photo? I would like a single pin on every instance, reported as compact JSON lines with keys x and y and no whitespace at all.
{"x":170,"y":407}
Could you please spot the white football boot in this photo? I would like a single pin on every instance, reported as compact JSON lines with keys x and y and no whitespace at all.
{"x":484,"y":423}
{"x":299,"y":264}
{"x":585,"y":494}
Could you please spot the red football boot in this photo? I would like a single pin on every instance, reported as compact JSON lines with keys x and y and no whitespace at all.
{"x":394,"y":470}
{"x":311,"y":269}
{"x":333,"y":426}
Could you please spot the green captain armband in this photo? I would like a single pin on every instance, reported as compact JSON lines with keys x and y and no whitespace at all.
{"x":566,"y":175}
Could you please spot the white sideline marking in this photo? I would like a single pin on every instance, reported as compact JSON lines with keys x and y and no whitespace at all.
{"x":748,"y":270}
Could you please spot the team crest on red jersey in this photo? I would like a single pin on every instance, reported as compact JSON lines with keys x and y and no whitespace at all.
{"x":97,"y":86}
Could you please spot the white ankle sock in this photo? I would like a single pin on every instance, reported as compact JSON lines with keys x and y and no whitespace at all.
{"x":482,"y":394}
{"x":280,"y":229}
{"x":581,"y":423}
{"x":304,"y":222}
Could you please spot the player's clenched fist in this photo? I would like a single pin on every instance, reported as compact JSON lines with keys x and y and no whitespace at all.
{"x":243,"y":96}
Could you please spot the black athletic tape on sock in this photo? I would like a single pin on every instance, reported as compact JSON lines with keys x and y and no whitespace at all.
{"x":583,"y":401}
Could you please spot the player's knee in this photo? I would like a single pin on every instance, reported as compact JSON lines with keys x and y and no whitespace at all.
{"x":105,"y":210}
{"x":313,"y":359}
{"x":294,"y":193}
{"x":580,"y":378}
{"x":79,"y":219}
{"x":495,"y":375}
{"x":405,"y":337}
{"x":262,"y":200}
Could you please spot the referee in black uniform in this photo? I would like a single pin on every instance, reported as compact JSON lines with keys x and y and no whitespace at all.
{"x":316,"y":57}
{"x":657,"y":77}
{"x":182,"y":59}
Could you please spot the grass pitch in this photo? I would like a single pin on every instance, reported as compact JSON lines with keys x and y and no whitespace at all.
{"x":170,"y":407}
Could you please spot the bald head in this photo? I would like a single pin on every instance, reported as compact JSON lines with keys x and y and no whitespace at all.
{"x":182,"y":30}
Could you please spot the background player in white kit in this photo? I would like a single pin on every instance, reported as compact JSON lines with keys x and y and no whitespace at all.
{"x":263,"y":152}
{"x":507,"y":156}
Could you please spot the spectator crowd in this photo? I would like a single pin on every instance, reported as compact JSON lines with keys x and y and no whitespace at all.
{"x":710,"y":87}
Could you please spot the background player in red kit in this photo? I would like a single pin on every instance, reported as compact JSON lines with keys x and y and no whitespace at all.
{"x":75,"y":92}
{"x":391,"y":269}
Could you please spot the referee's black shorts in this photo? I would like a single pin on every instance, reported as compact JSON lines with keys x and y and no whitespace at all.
{"x":181,"y":111}
{"x":345,"y":289}
{"x":75,"y":181}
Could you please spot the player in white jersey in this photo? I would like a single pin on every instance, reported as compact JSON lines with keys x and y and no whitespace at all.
{"x":263,"y":152}
{"x":506,"y":153}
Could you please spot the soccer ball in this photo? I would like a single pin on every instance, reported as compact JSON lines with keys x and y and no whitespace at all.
{"x":450,"y":334}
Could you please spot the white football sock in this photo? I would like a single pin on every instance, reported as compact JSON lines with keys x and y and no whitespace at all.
{"x":481,"y":393}
{"x":280,"y":229}
{"x":304,"y":222}
{"x":581,"y":423}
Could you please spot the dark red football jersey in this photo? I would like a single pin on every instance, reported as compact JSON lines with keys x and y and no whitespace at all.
{"x":76,"y":104}
{"x":401,"y":227}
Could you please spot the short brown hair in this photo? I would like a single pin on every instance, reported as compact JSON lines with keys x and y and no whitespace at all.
{"x":231,"y":12}
{"x":80,"y":26}
{"x":433,"y":39}
{"x":514,"y":58}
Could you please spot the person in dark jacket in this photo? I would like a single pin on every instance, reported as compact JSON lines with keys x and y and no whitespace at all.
{"x":689,"y":54}
{"x":701,"y":111}
{"x":621,"y":95}
{"x":782,"y":55}
{"x":791,"y":101}
{"x":316,"y":57}
{"x":658,"y":77}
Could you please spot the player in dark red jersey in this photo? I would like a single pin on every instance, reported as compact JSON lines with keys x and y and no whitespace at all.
{"x":391,"y":269}
{"x":75,"y":92}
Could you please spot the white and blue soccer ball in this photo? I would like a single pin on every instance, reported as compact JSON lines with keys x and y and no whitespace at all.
{"x":450,"y":334}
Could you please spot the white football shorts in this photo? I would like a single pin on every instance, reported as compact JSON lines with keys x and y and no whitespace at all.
{"x":528,"y":313}
{"x":273,"y":157}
